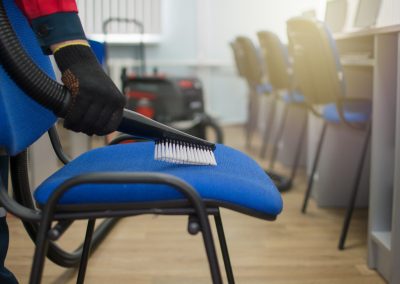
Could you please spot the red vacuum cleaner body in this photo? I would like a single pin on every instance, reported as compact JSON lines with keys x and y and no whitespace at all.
{"x":167,"y":100}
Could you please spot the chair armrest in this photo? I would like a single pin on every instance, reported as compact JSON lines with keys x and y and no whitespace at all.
{"x":340,"y":108}
{"x":356,"y":100}
{"x":24,"y":213}
{"x":314,"y":111}
{"x":131,"y":178}
{"x":124,"y":178}
{"x":58,"y":149}
{"x":209,"y":121}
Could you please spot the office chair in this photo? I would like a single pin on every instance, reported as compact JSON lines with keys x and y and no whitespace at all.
{"x":248,"y":64}
{"x":249,"y":67}
{"x":120,"y":180}
{"x":320,"y":77}
{"x":276,"y":62}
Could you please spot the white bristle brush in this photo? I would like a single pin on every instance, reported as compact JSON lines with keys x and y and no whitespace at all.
{"x":183,"y":153}
{"x":171,"y":145}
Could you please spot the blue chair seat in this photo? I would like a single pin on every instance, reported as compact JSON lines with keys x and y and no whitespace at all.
{"x":294,"y":97}
{"x":355,"y":112}
{"x":237,"y":182}
{"x":264,"y":88}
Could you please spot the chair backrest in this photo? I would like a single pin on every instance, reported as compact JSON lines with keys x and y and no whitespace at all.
{"x":238,"y":55}
{"x":276,"y":60}
{"x":22,"y":120}
{"x":252,"y":68}
{"x":316,"y":64}
{"x":99,"y":49}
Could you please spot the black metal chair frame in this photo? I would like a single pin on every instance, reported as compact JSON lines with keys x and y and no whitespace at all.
{"x":279,"y":136}
{"x":319,"y":57}
{"x":248,"y":68}
{"x":22,"y":194}
{"x":280,"y":79}
{"x":356,"y":184}
{"x":39,"y":221}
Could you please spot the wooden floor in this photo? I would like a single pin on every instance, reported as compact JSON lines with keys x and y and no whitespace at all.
{"x":149,"y":249}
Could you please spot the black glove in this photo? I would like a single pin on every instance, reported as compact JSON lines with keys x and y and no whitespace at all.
{"x":96,"y":103}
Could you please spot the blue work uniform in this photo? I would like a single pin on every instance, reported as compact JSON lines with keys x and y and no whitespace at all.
{"x":6,"y":277}
{"x":52,"y":21}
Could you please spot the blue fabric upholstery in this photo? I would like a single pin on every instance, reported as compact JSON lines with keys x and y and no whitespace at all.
{"x":335,"y":55}
{"x":237,"y":180}
{"x":265,"y":88}
{"x":293,"y":98}
{"x":355,"y":112}
{"x":99,"y":50}
{"x":22,"y":121}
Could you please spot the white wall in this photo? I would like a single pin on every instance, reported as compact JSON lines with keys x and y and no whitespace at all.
{"x":219,"y":22}
{"x":389,"y":14}
{"x":225,"y":19}
{"x":178,"y":39}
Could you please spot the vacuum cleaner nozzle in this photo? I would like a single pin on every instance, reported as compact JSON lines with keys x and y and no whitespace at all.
{"x":172,"y":145}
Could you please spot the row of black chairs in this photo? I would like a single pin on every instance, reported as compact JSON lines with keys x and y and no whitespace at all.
{"x":268,"y":72}
{"x":307,"y":74}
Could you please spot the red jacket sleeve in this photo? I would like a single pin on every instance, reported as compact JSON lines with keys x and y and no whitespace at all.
{"x":38,"y":8}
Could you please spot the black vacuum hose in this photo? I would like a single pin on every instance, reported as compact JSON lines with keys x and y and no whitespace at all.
{"x":26,"y":74}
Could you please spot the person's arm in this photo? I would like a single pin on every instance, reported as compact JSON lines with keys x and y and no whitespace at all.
{"x":53,"y":21}
{"x":96,"y":103}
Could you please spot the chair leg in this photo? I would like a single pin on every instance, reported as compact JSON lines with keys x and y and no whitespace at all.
{"x":299,"y":148}
{"x":210,"y":249}
{"x":353,"y":197}
{"x":268,"y":129}
{"x":42,"y":244}
{"x":224,"y":248}
{"x":249,"y":123}
{"x":278,"y":137}
{"x":86,"y":251}
{"x":314,"y":168}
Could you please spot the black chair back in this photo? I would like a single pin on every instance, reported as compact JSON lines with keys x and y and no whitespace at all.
{"x":316,"y":64}
{"x":251,"y":66}
{"x":276,"y":60}
{"x":238,"y":55}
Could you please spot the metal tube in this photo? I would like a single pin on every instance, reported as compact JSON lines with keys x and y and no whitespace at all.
{"x":353,"y":196}
{"x":126,"y":178}
{"x":314,"y":168}
{"x":86,"y":251}
{"x":224,"y":248}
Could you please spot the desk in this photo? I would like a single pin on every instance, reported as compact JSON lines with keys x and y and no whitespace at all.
{"x":383,"y":45}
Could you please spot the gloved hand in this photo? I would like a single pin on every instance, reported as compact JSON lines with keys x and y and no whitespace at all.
{"x":96,"y":103}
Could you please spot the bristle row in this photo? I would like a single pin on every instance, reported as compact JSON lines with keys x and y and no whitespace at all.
{"x":183,"y":153}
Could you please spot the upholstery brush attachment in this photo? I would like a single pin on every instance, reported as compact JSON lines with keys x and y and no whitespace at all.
{"x":171,"y":145}
{"x":183,"y":153}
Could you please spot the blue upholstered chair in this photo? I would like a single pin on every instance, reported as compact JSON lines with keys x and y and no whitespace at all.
{"x":279,"y":69}
{"x":119,"y":180}
{"x":249,"y":67}
{"x":321,"y":80}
